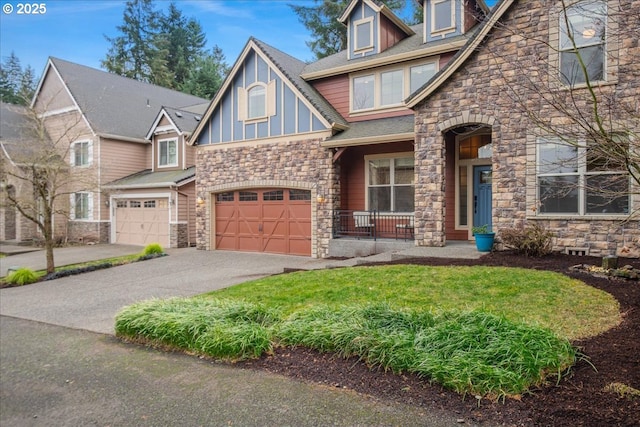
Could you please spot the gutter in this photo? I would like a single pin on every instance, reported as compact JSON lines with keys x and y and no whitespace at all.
{"x":366,"y":140}
{"x":154,"y":185}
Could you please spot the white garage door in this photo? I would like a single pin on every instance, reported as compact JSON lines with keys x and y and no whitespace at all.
{"x":142,"y":221}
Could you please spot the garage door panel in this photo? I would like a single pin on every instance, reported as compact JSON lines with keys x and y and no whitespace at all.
{"x":142,"y":221}
{"x":264,"y":220}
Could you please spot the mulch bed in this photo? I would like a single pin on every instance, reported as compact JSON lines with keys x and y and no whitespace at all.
{"x":579,"y":399}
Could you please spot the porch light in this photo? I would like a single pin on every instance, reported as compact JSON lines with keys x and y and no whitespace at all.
{"x":200,"y":201}
{"x":320,"y":198}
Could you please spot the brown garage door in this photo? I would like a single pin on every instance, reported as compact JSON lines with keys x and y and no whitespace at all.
{"x":142,"y":221}
{"x":264,"y":220}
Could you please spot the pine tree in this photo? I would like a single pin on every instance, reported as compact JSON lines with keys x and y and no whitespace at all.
{"x":138,"y":51}
{"x":207,"y":74}
{"x":16,"y":85}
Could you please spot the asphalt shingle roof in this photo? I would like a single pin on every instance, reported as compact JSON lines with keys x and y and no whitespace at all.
{"x":149,"y":179}
{"x":377,"y":127}
{"x":16,"y":130}
{"x":412,"y":43}
{"x":116,"y":105}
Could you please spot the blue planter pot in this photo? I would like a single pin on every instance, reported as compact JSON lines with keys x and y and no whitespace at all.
{"x":484,"y":241}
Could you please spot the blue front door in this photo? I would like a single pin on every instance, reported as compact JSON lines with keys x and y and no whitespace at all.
{"x":482,"y":196}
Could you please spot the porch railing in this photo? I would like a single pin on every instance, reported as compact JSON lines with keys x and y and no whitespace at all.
{"x":372,"y":225}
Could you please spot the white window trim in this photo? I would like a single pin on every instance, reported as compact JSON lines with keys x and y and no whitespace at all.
{"x":582,"y":175}
{"x":391,"y":157}
{"x":72,"y":157}
{"x":72,"y":211}
{"x":377,"y":85}
{"x":446,"y":30}
{"x":370,"y":46}
{"x":168,"y":165}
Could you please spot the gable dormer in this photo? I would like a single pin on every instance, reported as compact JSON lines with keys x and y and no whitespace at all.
{"x":168,"y":135}
{"x":371,"y":28}
{"x":450,"y":18}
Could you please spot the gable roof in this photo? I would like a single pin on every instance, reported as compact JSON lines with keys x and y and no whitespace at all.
{"x":115,"y":106}
{"x":478,"y":35}
{"x":183,"y":121}
{"x":290,"y":68}
{"x":379,"y":7}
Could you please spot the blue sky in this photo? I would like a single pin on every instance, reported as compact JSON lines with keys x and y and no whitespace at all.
{"x":74,"y":29}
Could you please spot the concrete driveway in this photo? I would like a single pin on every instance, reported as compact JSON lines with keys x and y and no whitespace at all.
{"x":90,"y":301}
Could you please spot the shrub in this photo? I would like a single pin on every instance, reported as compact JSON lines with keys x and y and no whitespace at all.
{"x":534,"y":240}
{"x":152,"y":249}
{"x":22,"y":276}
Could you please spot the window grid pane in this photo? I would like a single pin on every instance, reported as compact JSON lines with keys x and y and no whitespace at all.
{"x":443,"y":14}
{"x":363,"y":92}
{"x":391,"y":90}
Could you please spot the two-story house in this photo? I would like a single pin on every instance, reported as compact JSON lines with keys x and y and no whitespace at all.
{"x":292,"y":156}
{"x":126,"y":147}
{"x":422,"y":132}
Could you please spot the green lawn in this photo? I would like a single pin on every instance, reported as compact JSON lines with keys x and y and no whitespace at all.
{"x":481,"y":330}
{"x":567,"y":306}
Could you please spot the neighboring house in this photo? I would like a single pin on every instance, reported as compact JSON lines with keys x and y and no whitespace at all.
{"x":14,"y":137}
{"x":106,"y":121}
{"x":145,"y":202}
{"x":294,"y":157}
{"x":420,"y":133}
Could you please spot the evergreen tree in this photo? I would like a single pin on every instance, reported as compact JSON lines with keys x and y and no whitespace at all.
{"x":329,"y":35}
{"x":137,"y":52}
{"x":185,"y":42}
{"x":207,"y":74}
{"x":16,"y":85}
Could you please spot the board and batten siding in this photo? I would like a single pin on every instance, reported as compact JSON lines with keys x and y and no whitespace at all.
{"x":289,"y":113}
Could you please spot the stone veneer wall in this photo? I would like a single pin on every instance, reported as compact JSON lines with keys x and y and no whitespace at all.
{"x":179,"y":235}
{"x":495,"y":88}
{"x":89,"y":231}
{"x":301,"y":164}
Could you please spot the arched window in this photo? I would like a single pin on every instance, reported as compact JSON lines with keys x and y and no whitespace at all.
{"x":257,"y":102}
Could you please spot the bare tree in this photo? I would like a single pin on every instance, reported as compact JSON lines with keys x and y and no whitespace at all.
{"x":574,"y":81}
{"x":36,"y":167}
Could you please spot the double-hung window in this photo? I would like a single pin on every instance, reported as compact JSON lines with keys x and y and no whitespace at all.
{"x":363,"y":34}
{"x":167,"y":152}
{"x":81,"y":153}
{"x":577,"y":179}
{"x":442,"y":15}
{"x":390,"y":183}
{"x":81,"y":205}
{"x":582,"y":42}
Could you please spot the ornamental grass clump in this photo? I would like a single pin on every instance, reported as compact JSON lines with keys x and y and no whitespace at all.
{"x":152,"y":249}
{"x":474,"y":352}
{"x":22,"y":276}
{"x":481,"y":353}
{"x":222,"y":329}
